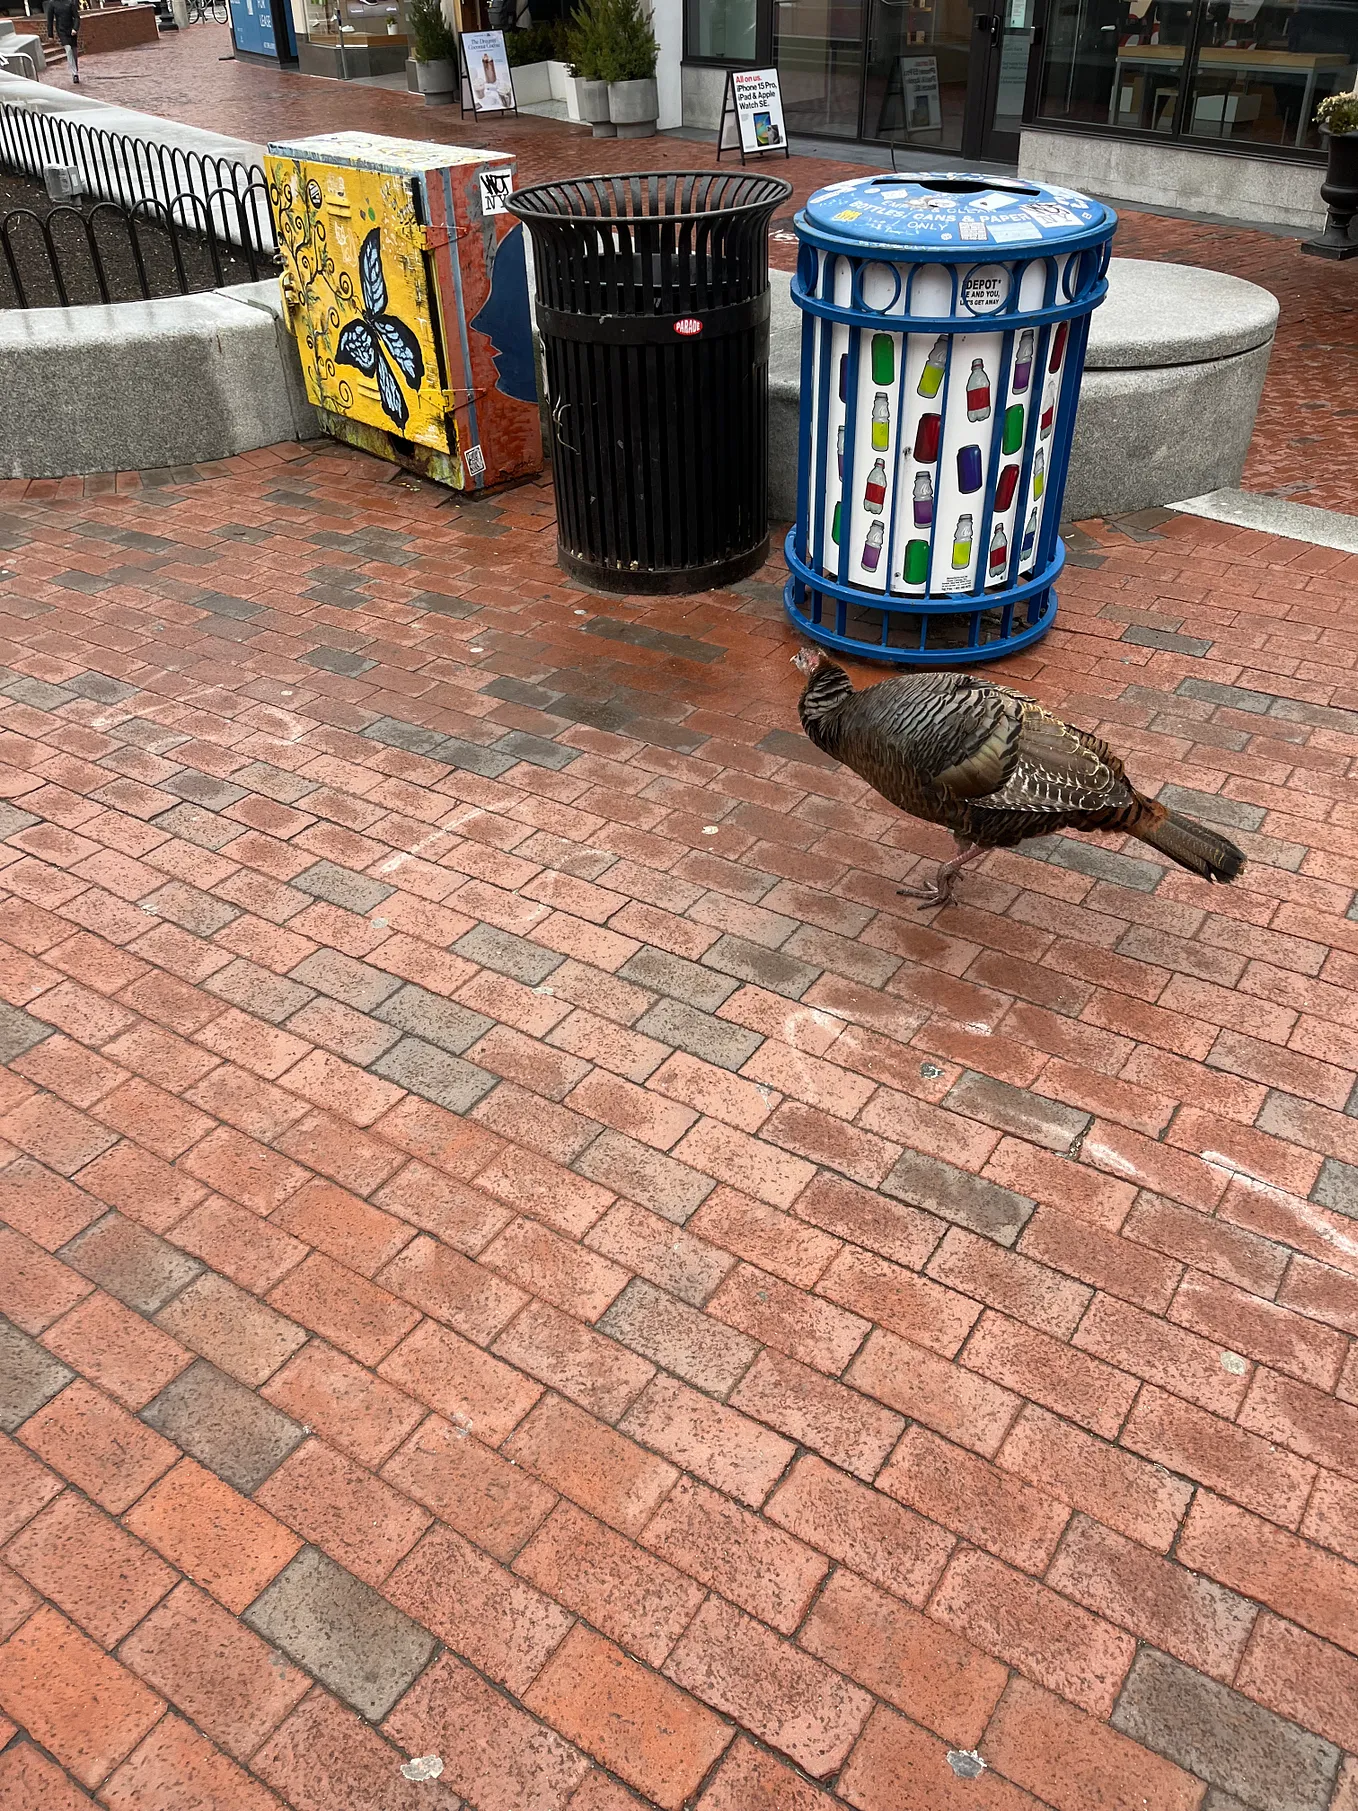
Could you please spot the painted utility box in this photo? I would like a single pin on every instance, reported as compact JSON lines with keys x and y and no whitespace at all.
{"x":405,"y":282}
{"x":944,"y":320}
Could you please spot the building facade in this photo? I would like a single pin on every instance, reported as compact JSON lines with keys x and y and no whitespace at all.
{"x":1205,"y":104}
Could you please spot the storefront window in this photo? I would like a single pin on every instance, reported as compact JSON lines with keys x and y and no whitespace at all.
{"x":1257,"y":69}
{"x":722,"y":31}
{"x":1263,"y":68}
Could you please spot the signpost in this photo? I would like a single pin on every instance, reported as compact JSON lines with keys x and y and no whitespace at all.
{"x":752,"y":115}
{"x":487,"y":84}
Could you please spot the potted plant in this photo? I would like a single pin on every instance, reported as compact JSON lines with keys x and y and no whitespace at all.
{"x":1337,"y":117}
{"x":633,"y":104}
{"x":587,"y":47}
{"x":434,"y":45}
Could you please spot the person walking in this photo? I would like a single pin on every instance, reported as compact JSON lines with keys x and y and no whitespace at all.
{"x":63,"y":24}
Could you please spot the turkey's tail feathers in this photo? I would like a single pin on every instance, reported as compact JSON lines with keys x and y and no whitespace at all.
{"x":1192,"y":845}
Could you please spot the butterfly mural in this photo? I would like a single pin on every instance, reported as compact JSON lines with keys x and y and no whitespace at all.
{"x":375,"y":341}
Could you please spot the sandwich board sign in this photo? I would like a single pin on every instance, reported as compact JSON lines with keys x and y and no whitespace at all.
{"x":752,"y":114}
{"x":487,"y":84}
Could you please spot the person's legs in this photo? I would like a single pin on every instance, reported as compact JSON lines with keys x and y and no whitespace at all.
{"x":72,"y":62}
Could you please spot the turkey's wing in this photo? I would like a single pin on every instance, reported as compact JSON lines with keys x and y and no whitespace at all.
{"x":954,"y":733}
{"x":1059,"y":768}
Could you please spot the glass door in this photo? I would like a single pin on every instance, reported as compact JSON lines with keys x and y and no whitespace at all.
{"x":915,"y":80}
{"x":1002,"y":42}
{"x":818,"y":48}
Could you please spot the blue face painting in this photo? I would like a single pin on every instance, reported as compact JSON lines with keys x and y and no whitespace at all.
{"x":505,"y":320}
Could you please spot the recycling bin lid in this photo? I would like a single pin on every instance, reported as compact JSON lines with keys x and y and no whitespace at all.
{"x":950,"y":210}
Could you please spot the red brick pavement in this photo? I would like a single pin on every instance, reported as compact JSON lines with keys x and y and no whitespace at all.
{"x":1304,"y":436}
{"x":520,"y":1247}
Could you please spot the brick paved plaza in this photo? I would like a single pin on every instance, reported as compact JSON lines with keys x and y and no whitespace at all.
{"x":521,"y":1247}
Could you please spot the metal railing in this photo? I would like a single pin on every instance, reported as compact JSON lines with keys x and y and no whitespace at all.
{"x":113,"y":167}
{"x":116,"y":253}
{"x":20,"y":62}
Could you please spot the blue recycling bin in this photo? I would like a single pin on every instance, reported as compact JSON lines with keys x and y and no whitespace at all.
{"x":943,"y":340}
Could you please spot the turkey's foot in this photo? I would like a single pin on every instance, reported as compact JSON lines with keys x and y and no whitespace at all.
{"x":934,"y":895}
{"x":940,"y":893}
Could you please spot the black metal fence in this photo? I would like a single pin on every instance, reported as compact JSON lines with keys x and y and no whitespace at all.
{"x":147,"y":219}
{"x":112,"y":253}
{"x":114,"y":167}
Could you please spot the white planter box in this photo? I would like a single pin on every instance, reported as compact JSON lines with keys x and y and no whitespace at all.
{"x":571,"y":84}
{"x":532,"y":83}
{"x":561,"y":79}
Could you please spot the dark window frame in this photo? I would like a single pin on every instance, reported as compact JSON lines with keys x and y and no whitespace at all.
{"x":763,"y":40}
{"x":1178,"y":134}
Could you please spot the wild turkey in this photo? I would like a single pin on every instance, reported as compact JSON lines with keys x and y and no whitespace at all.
{"x":990,"y":765}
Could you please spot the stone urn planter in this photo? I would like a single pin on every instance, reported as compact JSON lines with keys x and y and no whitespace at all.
{"x":593,"y":101}
{"x":437,"y":81}
{"x":634,"y":107}
{"x":1339,"y":192}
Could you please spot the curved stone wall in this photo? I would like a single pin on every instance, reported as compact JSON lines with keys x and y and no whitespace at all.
{"x":138,"y":385}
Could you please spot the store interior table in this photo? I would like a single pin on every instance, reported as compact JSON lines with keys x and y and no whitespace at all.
{"x":1229,"y":60}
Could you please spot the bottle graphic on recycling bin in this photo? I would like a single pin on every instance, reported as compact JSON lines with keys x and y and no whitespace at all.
{"x":874,"y":491}
{"x":931,"y":378}
{"x":927,"y":439}
{"x":1023,"y":361}
{"x":978,"y":392}
{"x":916,"y":570}
{"x":927,"y":436}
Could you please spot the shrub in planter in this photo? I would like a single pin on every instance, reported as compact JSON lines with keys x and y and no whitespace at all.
{"x":629,"y":62}
{"x":534,"y":44}
{"x":433,"y":44}
{"x":1337,"y":117}
{"x":587,"y":46}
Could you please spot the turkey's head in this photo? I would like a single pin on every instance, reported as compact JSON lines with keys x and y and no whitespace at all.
{"x":827,"y":688}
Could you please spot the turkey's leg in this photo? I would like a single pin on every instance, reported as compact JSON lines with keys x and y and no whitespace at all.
{"x":940,"y":893}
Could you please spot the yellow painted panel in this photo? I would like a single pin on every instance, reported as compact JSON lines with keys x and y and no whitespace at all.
{"x":357,"y":288}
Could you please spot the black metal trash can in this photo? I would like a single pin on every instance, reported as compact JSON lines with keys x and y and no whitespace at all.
{"x":653,"y":309}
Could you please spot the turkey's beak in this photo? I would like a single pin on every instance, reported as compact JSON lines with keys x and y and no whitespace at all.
{"x":806,"y":660}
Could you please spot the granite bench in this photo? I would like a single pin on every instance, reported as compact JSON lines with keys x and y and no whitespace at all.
{"x":1173,"y":375}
